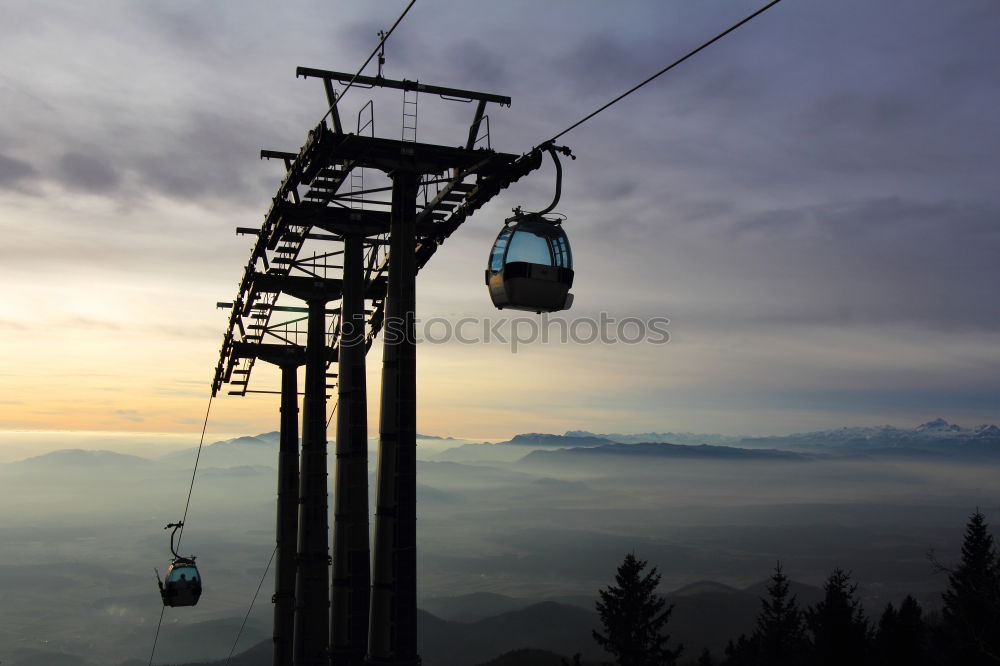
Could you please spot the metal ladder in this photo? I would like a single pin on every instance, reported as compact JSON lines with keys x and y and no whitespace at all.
{"x":409,"y":132}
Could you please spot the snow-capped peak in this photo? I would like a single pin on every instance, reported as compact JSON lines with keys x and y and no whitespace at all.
{"x":938,"y":425}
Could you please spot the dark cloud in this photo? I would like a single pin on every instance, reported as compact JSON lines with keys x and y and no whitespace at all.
{"x":870,"y":113}
{"x":176,"y":23}
{"x":614,"y":190}
{"x":88,"y":173}
{"x":206,"y":156}
{"x":597,"y":61}
{"x":13,"y":170}
{"x":362,"y":37}
{"x":477,"y":63}
{"x":212,"y":157}
{"x":916,"y":399}
{"x":885,"y":261}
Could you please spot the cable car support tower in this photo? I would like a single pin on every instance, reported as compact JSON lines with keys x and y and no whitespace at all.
{"x":364,"y":280}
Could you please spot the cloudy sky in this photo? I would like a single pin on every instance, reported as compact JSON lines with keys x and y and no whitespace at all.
{"x":812,"y":202}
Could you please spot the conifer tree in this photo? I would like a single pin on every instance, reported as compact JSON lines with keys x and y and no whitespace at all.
{"x":971,"y":612}
{"x":840,"y":631}
{"x":780,"y":637}
{"x":901,"y":639}
{"x":633,"y":617}
{"x":780,"y":634}
{"x":741,"y":653}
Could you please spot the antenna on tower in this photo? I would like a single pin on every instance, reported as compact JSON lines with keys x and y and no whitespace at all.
{"x":381,"y":51}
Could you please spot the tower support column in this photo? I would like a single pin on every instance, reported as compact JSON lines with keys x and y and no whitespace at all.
{"x":351,"y":582}
{"x":312,"y":604}
{"x":393,"y":631}
{"x":286,"y":532}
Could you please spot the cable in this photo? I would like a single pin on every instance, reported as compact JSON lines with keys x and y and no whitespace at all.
{"x":252,"y":601}
{"x":354,"y":78}
{"x":194,"y":472}
{"x":156,"y":636}
{"x":663,"y":71}
{"x":332,"y":412}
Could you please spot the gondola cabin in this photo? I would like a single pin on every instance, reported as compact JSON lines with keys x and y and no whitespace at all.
{"x":182,"y":584}
{"x":531,"y":265}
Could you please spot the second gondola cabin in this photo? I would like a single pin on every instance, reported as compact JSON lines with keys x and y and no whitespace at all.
{"x":181,"y":586}
{"x":531,"y":265}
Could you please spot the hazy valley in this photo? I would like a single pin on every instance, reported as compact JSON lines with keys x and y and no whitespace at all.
{"x":502,"y":527}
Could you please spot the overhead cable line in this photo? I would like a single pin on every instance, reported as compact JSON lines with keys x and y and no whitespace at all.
{"x":194,"y":472}
{"x":663,"y":71}
{"x":252,"y":601}
{"x":156,"y":636}
{"x":333,"y":411}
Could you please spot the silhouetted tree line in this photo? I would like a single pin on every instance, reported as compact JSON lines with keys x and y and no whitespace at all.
{"x":835,"y":631}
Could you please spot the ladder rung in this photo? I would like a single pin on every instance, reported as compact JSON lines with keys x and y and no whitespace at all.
{"x":462,"y":187}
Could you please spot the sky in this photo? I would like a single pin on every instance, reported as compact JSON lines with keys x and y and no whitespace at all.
{"x":811,"y":203}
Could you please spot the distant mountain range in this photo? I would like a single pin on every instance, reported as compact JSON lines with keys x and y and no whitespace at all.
{"x":935,"y":430}
{"x":76,"y":458}
{"x":934,"y":437}
{"x":937,"y":438}
{"x":256,"y":450}
{"x":664,"y":450}
{"x":671,"y":437}
{"x":518,"y":446}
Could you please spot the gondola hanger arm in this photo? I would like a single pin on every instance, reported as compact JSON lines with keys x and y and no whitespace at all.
{"x":553,"y":150}
{"x":176,"y":526}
